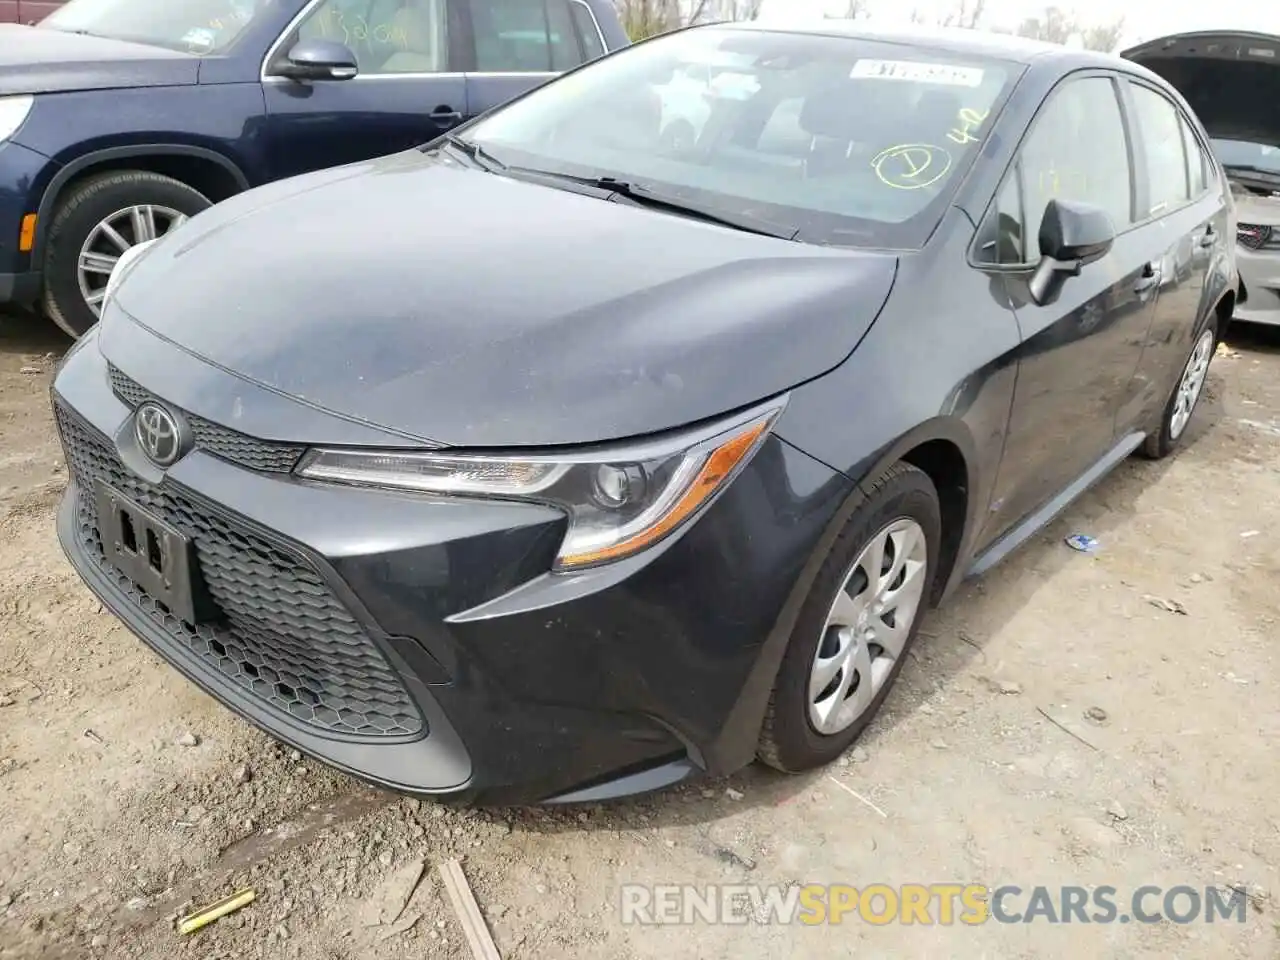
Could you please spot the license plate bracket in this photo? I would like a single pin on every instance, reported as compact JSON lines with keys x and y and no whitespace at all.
{"x":155,"y":555}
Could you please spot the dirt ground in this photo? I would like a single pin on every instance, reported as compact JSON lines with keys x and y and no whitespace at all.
{"x":126,"y":796}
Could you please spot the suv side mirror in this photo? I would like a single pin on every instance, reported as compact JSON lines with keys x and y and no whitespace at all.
{"x":1072,"y":236}
{"x":319,"y":60}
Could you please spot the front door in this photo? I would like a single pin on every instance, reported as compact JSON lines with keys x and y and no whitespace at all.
{"x":515,"y":45}
{"x":404,"y":94}
{"x":1079,"y":353}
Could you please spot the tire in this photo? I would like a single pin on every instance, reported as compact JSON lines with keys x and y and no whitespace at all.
{"x":1165,"y":437}
{"x":96,"y":200}
{"x":790,"y":738}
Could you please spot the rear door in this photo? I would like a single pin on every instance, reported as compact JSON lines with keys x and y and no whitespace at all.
{"x":1184,"y":226}
{"x":407,"y":91}
{"x":1079,"y":352}
{"x":514,"y":45}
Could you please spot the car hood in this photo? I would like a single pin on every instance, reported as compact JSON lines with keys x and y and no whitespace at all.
{"x":41,"y":60}
{"x":462,"y":308}
{"x":1230,"y":78}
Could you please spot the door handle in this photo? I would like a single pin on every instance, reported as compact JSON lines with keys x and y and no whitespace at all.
{"x":1149,"y":279}
{"x":444,"y":114}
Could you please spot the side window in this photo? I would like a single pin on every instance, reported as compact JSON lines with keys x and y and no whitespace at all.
{"x":387,"y":36}
{"x":588,"y":30}
{"x":1161,"y":133}
{"x":525,"y":36}
{"x":1197,"y":162}
{"x":1076,"y":151}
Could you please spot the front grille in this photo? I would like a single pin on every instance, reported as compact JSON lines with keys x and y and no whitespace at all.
{"x":282,"y":635}
{"x":239,"y":448}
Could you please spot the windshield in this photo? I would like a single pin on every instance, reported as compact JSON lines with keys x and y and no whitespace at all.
{"x":1245,"y":153}
{"x":192,"y":26}
{"x":847,"y":141}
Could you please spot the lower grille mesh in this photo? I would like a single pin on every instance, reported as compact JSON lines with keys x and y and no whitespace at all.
{"x":283,"y":635}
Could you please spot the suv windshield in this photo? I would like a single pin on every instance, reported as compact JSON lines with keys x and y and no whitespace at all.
{"x":847,"y":141}
{"x":192,"y":26}
{"x":1248,"y":155}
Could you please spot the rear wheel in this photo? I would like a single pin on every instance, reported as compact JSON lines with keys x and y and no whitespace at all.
{"x":1186,"y":395}
{"x":100,"y":219}
{"x":860,"y":618}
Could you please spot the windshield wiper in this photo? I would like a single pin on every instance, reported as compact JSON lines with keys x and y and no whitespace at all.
{"x":475,"y":153}
{"x":648,"y":197}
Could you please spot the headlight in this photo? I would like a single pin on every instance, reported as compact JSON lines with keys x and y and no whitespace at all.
{"x":620,"y":500}
{"x":13,"y":113}
{"x":128,"y":260}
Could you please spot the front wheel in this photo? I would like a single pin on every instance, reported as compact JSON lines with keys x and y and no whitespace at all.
{"x":857,"y":624}
{"x":100,"y":219}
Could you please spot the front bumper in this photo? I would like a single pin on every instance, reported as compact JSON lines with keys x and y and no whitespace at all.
{"x":421,"y":644}
{"x":1259,"y":301}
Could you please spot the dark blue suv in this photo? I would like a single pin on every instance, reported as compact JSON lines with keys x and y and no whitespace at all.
{"x":120,"y":119}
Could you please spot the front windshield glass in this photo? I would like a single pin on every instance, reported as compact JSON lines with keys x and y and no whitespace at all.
{"x":1246,"y":153}
{"x":848,"y":141}
{"x":192,"y":26}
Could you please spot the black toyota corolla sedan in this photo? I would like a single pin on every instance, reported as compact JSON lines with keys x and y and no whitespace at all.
{"x":626,"y":433}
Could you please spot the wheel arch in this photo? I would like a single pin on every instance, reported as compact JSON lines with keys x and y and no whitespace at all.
{"x":215,"y":175}
{"x":935,"y":446}
{"x":943,"y":448}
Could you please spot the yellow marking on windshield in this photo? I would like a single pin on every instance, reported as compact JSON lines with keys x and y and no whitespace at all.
{"x":911,"y":166}
{"x":970,"y":120}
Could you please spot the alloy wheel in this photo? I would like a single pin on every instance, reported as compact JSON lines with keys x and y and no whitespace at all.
{"x":1191,"y":384}
{"x":113,"y":236}
{"x":868,"y":626}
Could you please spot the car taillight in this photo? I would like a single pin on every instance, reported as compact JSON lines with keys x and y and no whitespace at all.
{"x":1253,"y":235}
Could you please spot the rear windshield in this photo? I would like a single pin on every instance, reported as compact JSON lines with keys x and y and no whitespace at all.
{"x":192,"y":26}
{"x":849,"y":141}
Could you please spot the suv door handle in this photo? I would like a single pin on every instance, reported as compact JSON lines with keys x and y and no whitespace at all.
{"x":444,"y":115}
{"x":1150,"y":278}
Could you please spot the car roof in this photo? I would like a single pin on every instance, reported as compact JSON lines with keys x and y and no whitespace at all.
{"x":979,"y":43}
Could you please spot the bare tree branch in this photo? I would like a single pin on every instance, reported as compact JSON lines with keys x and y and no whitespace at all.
{"x":1059,"y":26}
{"x":966,"y":15}
{"x":1104,"y":37}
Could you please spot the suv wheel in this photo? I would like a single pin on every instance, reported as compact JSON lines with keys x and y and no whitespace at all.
{"x":860,"y":618}
{"x":100,"y":219}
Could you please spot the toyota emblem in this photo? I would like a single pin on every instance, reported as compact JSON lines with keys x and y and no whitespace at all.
{"x":159,"y":434}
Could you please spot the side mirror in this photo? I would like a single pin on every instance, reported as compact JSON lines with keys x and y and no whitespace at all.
{"x":319,"y":60}
{"x":1072,"y":236}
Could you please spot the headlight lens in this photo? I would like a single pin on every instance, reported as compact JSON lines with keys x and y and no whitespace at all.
{"x":13,"y":113}
{"x":619,"y":501}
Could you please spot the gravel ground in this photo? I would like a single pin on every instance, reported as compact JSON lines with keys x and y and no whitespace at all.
{"x":1061,"y":722}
